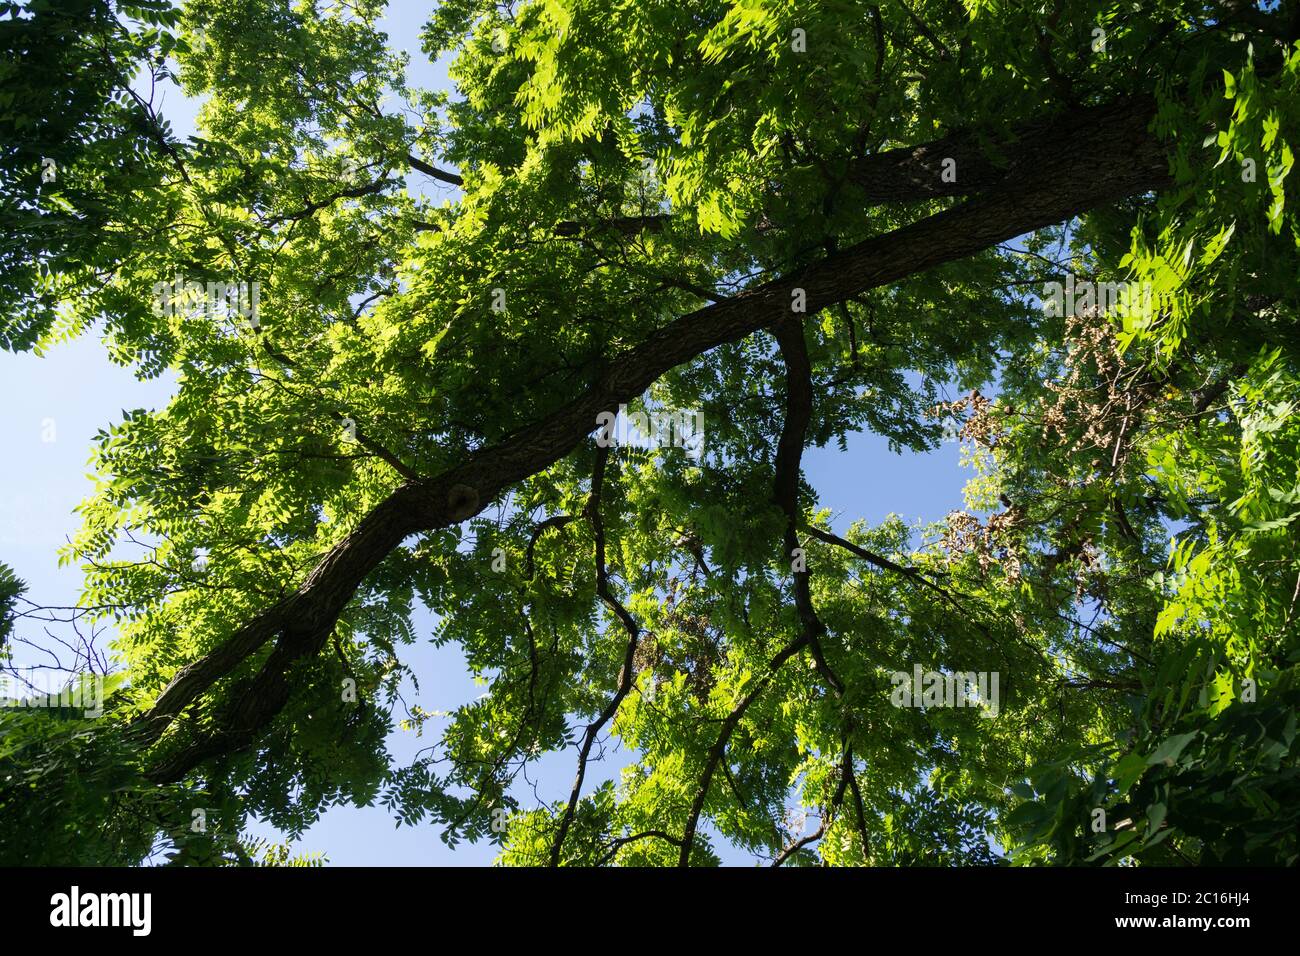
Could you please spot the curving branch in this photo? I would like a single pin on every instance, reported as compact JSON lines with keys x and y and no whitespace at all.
{"x":719,"y":748}
{"x":626,"y":676}
{"x":798,"y":412}
{"x":620,"y":842}
{"x":1075,"y":166}
{"x":799,"y":844}
{"x":912,"y":574}
{"x":555,"y":521}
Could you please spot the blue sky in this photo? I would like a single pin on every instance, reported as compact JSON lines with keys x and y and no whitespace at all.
{"x":73,"y":391}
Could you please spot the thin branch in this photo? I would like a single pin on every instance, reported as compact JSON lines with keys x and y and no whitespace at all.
{"x":626,"y":675}
{"x":719,"y":747}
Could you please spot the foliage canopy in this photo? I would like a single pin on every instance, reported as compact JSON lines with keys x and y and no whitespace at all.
{"x":802,"y":220}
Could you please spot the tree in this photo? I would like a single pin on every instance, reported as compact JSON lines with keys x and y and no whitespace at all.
{"x":756,"y":215}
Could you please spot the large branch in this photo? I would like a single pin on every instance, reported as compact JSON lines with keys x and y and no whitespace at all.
{"x":982,"y":164}
{"x":789,"y":454}
{"x":302,"y":622}
{"x":1077,"y":167}
{"x":433,"y":172}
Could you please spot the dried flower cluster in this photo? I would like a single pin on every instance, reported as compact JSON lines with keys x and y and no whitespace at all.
{"x":979,"y":426}
{"x":697,"y":654}
{"x":1100,"y":398}
{"x":995,"y":541}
